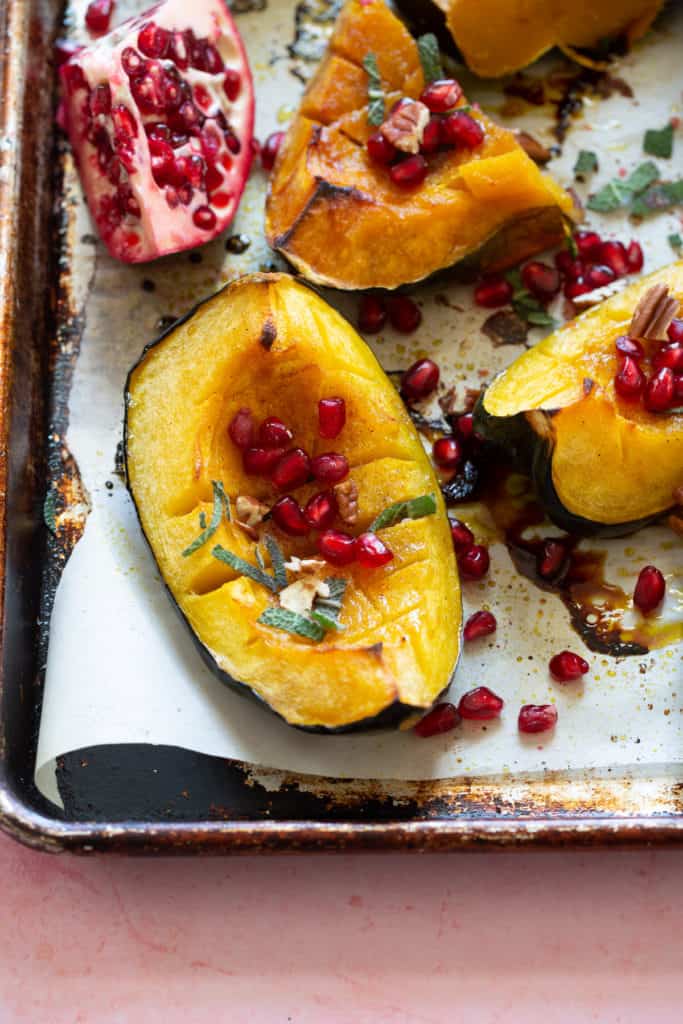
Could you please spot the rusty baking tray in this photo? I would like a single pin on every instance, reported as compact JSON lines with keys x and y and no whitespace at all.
{"x":132,"y":798}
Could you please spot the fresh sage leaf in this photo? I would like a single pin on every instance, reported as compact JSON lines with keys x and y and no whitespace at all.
{"x":292,"y":622}
{"x":617,"y":193}
{"x":659,"y":141}
{"x":277,"y":560}
{"x":221,"y":503}
{"x":326,"y":610}
{"x":586,"y":163}
{"x":414,"y":508}
{"x":430,"y":57}
{"x":660,"y":197}
{"x":375,"y":91}
{"x":245,"y":568}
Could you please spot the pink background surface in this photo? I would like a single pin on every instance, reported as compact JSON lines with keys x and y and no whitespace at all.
{"x":484,"y":938}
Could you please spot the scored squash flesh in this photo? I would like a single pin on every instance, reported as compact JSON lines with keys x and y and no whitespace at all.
{"x":339,"y":218}
{"x":270,"y":344}
{"x":601,"y":464}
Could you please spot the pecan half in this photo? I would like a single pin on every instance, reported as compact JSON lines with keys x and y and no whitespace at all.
{"x":654,"y":313}
{"x":405,"y":126}
{"x":539,"y":153}
{"x":346,"y":494}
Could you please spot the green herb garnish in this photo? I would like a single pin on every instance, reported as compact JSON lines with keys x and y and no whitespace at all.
{"x":220,"y":502}
{"x":586,"y":163}
{"x":617,"y":193}
{"x":277,"y":560}
{"x":414,"y":508}
{"x":430,"y":57}
{"x":326,"y":610}
{"x":659,"y":197}
{"x":659,"y":141}
{"x":202,"y":520}
{"x":540,"y":318}
{"x":675,"y":241}
{"x":572,"y":247}
{"x":292,"y":622}
{"x":525,"y":305}
{"x":245,"y":568}
{"x":375,"y":91}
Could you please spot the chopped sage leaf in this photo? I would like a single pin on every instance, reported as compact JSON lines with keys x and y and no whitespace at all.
{"x":375,"y":91}
{"x":292,"y":622}
{"x":220,"y":502}
{"x":326,"y":610}
{"x":414,"y":508}
{"x":245,"y":568}
{"x":326,"y":621}
{"x":642,"y":177}
{"x":660,"y":197}
{"x":617,"y":193}
{"x":586,"y":163}
{"x":675,"y":241}
{"x":659,"y":141}
{"x":540,"y":318}
{"x":277,"y":560}
{"x":572,"y":247}
{"x":202,"y":520}
{"x":430,"y":58}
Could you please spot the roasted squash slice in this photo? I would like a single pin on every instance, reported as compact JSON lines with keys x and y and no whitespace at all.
{"x":602,"y":465}
{"x":272,"y":345}
{"x":497,"y":37}
{"x":338,"y":217}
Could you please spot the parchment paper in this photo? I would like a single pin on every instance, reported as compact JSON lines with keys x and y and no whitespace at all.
{"x":121,"y":665}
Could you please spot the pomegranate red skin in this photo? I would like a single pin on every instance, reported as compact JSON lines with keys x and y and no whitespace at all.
{"x":441,"y":96}
{"x":336,"y":547}
{"x":321,"y":510}
{"x":474,"y":562}
{"x":537,"y":718}
{"x":675,"y":330}
{"x":292,"y":470}
{"x":273,"y":433}
{"x":649,"y":590}
{"x":480,"y":704}
{"x":541,"y":280}
{"x":372,"y":552}
{"x":288,"y":516}
{"x":420,"y":380}
{"x":242,"y":428}
{"x":442,"y":718}
{"x":270,"y":150}
{"x":493,"y":292}
{"x":372,"y":314}
{"x":480,"y":624}
{"x":566,"y":666}
{"x":330,"y":468}
{"x":380,"y":150}
{"x":447,"y":452}
{"x":404,"y":314}
{"x":331,"y":417}
{"x":409,"y":173}
{"x":461,"y":535}
{"x":139,"y":218}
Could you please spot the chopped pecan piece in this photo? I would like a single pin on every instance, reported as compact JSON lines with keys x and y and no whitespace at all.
{"x":405,"y":126}
{"x":250,"y":513}
{"x":346,"y":494}
{"x":654,"y":313}
{"x":299,"y":596}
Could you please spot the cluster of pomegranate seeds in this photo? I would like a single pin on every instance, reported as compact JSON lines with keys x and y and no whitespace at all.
{"x":270,"y":150}
{"x":442,"y":718}
{"x":567,"y":666}
{"x":420,"y":380}
{"x":537,"y":717}
{"x":403,"y":314}
{"x":98,"y":15}
{"x":480,"y":704}
{"x":662,"y":389}
{"x":649,"y":590}
{"x":597,"y":263}
{"x":480,"y":624}
{"x":447,"y":129}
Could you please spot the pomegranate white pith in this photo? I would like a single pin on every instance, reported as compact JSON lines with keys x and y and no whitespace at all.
{"x":162,"y":142}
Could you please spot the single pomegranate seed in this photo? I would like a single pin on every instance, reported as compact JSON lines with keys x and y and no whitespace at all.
{"x":288,"y":516}
{"x":269,"y":150}
{"x":380,"y":150}
{"x":480,"y":624}
{"x":65,"y":49}
{"x":659,"y":391}
{"x":124,"y":122}
{"x":670,"y":356}
{"x":634,"y":258}
{"x":541,"y":280}
{"x":447,"y":452}
{"x":567,"y":666}
{"x":431,"y":139}
{"x":568,"y":266}
{"x":588,"y":244}
{"x":74,"y":77}
{"x":98,"y":15}
{"x":232,"y":84}
{"x":598,"y":276}
{"x":292,"y":470}
{"x":492,"y":292}
{"x":336,"y":547}
{"x":241,"y":428}
{"x":371,"y":552}
{"x":675,"y":330}
{"x":321,"y":510}
{"x":537,"y":717}
{"x":553,"y":561}
{"x":202,"y":97}
{"x":441,"y":96}
{"x":480,"y":704}
{"x":474,"y":561}
{"x":420,"y":380}
{"x":330,"y":468}
{"x":204,"y":218}
{"x":649,"y":589}
{"x":261,"y":461}
{"x":153,"y":40}
{"x":372,"y":314}
{"x":213,"y":181}
{"x":273,"y":433}
{"x":409,"y":173}
{"x":626,"y":346}
{"x":462,"y":536}
{"x":158,"y":130}
{"x":461,"y":130}
{"x":331,"y":417}
{"x":404,"y":315}
{"x":465,"y":425}
{"x":578,"y":286}
{"x":131,"y":61}
{"x":100,"y":100}
{"x":630,"y":380}
{"x":613,"y":254}
{"x":441,"y":718}
{"x":162,"y":161}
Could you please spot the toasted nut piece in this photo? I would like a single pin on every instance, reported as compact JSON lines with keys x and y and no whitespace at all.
{"x":405,"y":126}
{"x":654,"y":313}
{"x":346,"y":494}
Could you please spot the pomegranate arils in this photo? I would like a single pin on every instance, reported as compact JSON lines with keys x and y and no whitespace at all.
{"x":204,"y":218}
{"x":492,"y":292}
{"x":321,"y":510}
{"x":480,"y":704}
{"x":537,"y":717}
{"x":440,"y":719}
{"x":288,"y":516}
{"x":372,"y":314}
{"x":100,"y":100}
{"x":273,"y":433}
{"x":98,"y":15}
{"x":671,"y":356}
{"x":462,"y":536}
{"x":292,"y":470}
{"x":629,"y":347}
{"x":269,"y":150}
{"x":613,"y":254}
{"x":649,"y":590}
{"x":588,"y":244}
{"x":675,"y":330}
{"x":330,"y":468}
{"x":447,"y":452}
{"x":577,"y":286}
{"x":336,"y":547}
{"x":634,"y":258}
{"x":465,"y":425}
{"x":480,"y":624}
{"x":567,"y":666}
{"x":474,"y":561}
{"x":459,"y":129}
{"x":241,"y":428}
{"x":331,"y":417}
{"x":541,"y":280}
{"x":409,"y":173}
{"x":441,"y":96}
{"x":598,"y":276}
{"x":232,"y":84}
{"x":431,"y":139}
{"x":660,"y":391}
{"x":371,"y":552}
{"x":380,"y":150}
{"x":569,"y":267}
{"x":154,"y":41}
{"x":404,"y":315}
{"x":261,"y":461}
{"x":630,"y":380}
{"x":553,"y":561}
{"x":420,"y":380}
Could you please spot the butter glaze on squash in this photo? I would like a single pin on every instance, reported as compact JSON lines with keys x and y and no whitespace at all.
{"x":341,"y":221}
{"x":269,"y":343}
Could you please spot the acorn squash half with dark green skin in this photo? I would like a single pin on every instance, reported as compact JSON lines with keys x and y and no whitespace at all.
{"x":602,"y":465}
{"x":270,"y":344}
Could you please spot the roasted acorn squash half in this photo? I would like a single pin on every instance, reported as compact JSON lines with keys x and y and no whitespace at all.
{"x":339,"y":218}
{"x":497,"y":37}
{"x":602,"y":464}
{"x":270,"y":344}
